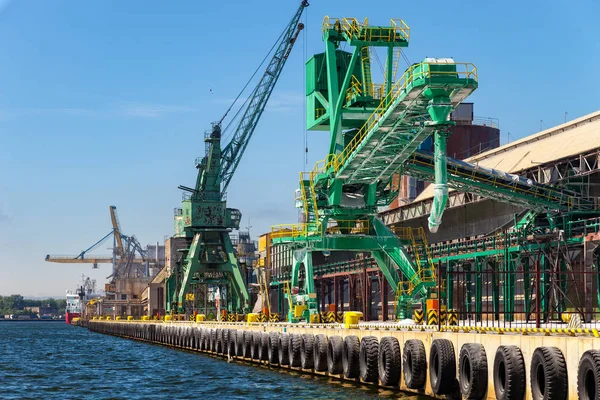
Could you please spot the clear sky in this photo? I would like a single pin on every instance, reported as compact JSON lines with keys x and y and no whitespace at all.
{"x":106,"y":102}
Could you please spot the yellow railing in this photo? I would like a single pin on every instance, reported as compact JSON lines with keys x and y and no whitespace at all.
{"x":350,"y":227}
{"x":355,"y":89}
{"x":319,"y":112}
{"x":464,"y":70}
{"x":398,"y":29}
{"x":303,"y":198}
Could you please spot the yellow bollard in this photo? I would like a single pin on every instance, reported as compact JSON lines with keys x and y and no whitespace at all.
{"x":168,"y":318}
{"x":145,"y":318}
{"x":118,"y":319}
{"x":351,"y":318}
{"x":108,"y":318}
{"x":129,"y":318}
{"x":252,"y":317}
{"x":200,"y":318}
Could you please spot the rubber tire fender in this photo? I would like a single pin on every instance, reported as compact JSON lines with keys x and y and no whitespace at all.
{"x":320,"y":353}
{"x":255,"y":345}
{"x":247,"y":344}
{"x":351,"y":357}
{"x":219,"y":344}
{"x":335,"y":348}
{"x":283,"y":349}
{"x":273,"y":348}
{"x":588,"y":375}
{"x":307,"y":351}
{"x":231,"y":343}
{"x":239,"y":343}
{"x":509,"y":373}
{"x":263,"y":348}
{"x":548,"y":368}
{"x":369,"y":358}
{"x":224,"y":341}
{"x":442,"y":366}
{"x":389,"y":361}
{"x":414,"y":364}
{"x":295,"y":350}
{"x":472,"y":371}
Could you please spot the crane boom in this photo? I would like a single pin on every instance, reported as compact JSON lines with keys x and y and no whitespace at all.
{"x":117,"y":230}
{"x":204,"y":219}
{"x":233,"y":151}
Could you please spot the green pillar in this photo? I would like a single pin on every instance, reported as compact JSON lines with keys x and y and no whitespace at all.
{"x":389,"y":69}
{"x":479,"y":264}
{"x":467,"y":268}
{"x":450,"y":285}
{"x":495,"y":290}
{"x":526,"y":287}
{"x":562,"y":305}
{"x":545,"y":304}
{"x":508,"y":288}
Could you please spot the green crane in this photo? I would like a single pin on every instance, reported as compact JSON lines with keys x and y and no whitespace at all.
{"x":204,"y":218}
{"x":375,"y":133}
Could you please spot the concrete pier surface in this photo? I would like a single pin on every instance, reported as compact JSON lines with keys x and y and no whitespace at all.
{"x":381,"y":354}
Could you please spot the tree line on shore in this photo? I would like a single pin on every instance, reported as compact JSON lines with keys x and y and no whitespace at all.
{"x":15,"y":304}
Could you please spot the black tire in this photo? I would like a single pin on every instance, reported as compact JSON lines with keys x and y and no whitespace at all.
{"x":351,"y":357}
{"x":548,"y":374}
{"x":224,"y":341}
{"x":273,"y":348}
{"x":442,"y":366}
{"x":472,"y":371}
{"x":247,"y":344}
{"x":414,"y":364}
{"x":255,"y":345}
{"x":213,"y":340}
{"x":320,"y":353}
{"x":283,"y":349}
{"x":335,"y":348}
{"x":263,"y":349}
{"x":307,"y":351}
{"x":219,"y":344}
{"x":239,"y":343}
{"x":232,"y":343}
{"x":389,"y":361}
{"x":295,"y":350}
{"x":588,"y":376}
{"x":509,"y":373}
{"x":369,"y":357}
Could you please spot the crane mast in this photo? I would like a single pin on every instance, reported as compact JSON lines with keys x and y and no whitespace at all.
{"x":204,"y":219}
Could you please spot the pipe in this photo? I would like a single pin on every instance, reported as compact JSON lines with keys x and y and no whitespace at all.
{"x":440,"y":188}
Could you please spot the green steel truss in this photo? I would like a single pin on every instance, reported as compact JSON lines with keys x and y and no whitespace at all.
{"x":375,"y":133}
{"x":204,"y":219}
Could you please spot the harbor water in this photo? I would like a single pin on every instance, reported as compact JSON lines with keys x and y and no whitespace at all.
{"x":51,"y":360}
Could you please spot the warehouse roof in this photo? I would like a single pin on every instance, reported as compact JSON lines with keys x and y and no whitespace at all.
{"x":574,"y":137}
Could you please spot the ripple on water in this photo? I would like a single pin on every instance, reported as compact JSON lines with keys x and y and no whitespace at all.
{"x":52,"y":360}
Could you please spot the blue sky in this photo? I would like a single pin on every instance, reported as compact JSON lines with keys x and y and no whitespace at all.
{"x":106,"y":102}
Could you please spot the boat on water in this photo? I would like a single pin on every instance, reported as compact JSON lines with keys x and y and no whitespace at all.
{"x":77,"y":300}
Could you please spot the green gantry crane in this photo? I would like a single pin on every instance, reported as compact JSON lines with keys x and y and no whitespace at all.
{"x":204,"y":218}
{"x":375,"y":133}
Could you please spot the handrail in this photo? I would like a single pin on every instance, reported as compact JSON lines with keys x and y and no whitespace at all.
{"x":336,"y":161}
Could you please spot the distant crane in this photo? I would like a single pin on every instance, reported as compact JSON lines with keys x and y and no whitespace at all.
{"x":204,"y":219}
{"x":129,"y":259}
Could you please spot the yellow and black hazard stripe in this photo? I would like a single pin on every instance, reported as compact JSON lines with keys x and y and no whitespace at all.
{"x":452,"y":317}
{"x":231,"y":318}
{"x":432,"y":317}
{"x":273,"y":317}
{"x":262,"y":317}
{"x":418,"y":316}
{"x":443,"y":317}
{"x":339,"y":317}
{"x":192,"y":317}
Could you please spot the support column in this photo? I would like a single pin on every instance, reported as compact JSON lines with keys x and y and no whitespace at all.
{"x":508,"y":287}
{"x":468,"y":271}
{"x":383,"y":289}
{"x":450,"y":285}
{"x":495,"y":290}
{"x":526,"y":287}
{"x":336,"y":293}
{"x":479,"y":264}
